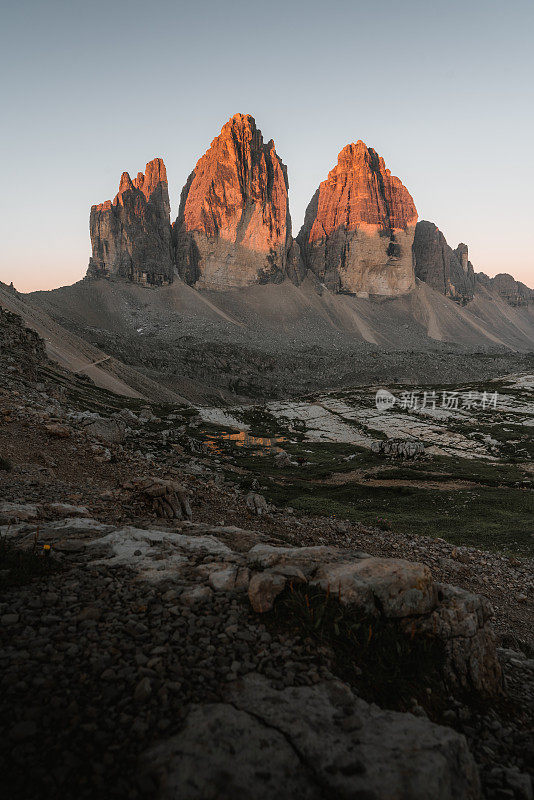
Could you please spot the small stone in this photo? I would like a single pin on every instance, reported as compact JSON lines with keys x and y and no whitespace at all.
{"x":198,"y":594}
{"x":143,"y":690}
{"x":23,"y":730}
{"x":223,"y":580}
{"x":9,"y":619}
{"x":264,"y":587}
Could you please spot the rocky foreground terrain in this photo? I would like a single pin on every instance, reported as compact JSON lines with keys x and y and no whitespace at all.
{"x":169,"y":633}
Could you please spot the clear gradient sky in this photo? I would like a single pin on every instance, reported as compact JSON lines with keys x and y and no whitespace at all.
{"x":443,"y":90}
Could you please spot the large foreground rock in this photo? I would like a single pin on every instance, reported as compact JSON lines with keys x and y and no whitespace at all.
{"x":392,"y":589}
{"x":359,"y":227}
{"x":320,"y":742}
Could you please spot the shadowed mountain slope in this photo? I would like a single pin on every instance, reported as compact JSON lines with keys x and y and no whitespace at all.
{"x":275,"y":340}
{"x":79,"y":356}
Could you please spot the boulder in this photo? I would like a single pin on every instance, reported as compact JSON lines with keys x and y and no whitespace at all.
{"x":67,"y":510}
{"x":106,"y":430}
{"x":256,"y":504}
{"x":310,"y":742}
{"x":308,"y":558}
{"x":399,"y":448}
{"x":58,"y":431}
{"x":18,"y":512}
{"x":283,"y":459}
{"x":263,"y":589}
{"x":230,"y":579}
{"x":461,"y":620}
{"x":198,"y":594}
{"x":167,"y":498}
{"x":395,"y":587}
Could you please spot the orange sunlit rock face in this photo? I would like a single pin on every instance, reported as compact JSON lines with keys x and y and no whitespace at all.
{"x":359,"y":227}
{"x":131,"y":236}
{"x":233,"y":227}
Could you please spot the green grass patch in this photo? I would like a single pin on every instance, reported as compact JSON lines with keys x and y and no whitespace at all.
{"x":488,"y":518}
{"x":494,"y":515}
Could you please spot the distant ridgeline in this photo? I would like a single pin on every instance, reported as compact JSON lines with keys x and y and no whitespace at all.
{"x":360,"y":234}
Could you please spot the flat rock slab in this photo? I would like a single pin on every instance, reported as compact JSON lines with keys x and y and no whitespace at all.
{"x":155,"y":554}
{"x":67,"y":510}
{"x":18,"y":512}
{"x":310,"y":742}
{"x":267,"y":555}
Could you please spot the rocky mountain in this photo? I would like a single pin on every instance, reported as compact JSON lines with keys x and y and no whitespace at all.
{"x":360,"y":234}
{"x":359,"y":227}
{"x":233,"y":228}
{"x":514,"y":292}
{"x":448,"y":271}
{"x":451,"y":273}
{"x":131,"y":236}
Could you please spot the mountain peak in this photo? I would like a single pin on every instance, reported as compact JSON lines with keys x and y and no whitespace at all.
{"x":131,"y":237}
{"x":233,"y":228}
{"x":358,"y":231}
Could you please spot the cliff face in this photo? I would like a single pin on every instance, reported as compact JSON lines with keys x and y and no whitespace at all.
{"x":359,"y":227}
{"x":131,"y":236}
{"x":233,"y":228}
{"x":446,"y":270}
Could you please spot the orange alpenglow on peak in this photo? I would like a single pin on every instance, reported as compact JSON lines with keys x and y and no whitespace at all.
{"x":131,"y":237}
{"x":155,"y":174}
{"x":233,"y":227}
{"x":359,"y":227}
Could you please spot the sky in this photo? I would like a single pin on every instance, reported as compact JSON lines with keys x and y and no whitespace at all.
{"x":442,"y":90}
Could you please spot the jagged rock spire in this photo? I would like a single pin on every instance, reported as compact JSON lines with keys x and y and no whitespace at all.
{"x":131,"y":236}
